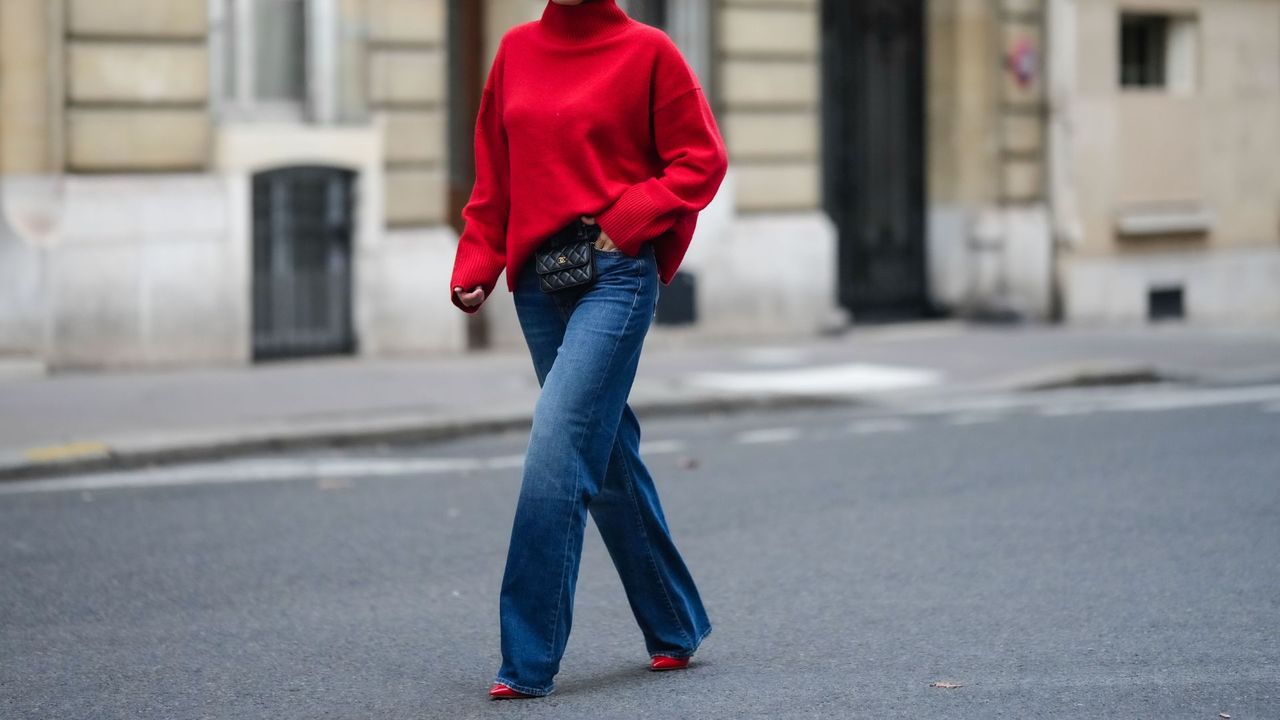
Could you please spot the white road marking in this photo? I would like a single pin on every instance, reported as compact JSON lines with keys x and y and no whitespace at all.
{"x":250,"y":471}
{"x":1095,"y":400}
{"x":661,"y":447}
{"x":966,"y":405}
{"x":503,"y":462}
{"x":976,"y":418}
{"x":329,"y":473}
{"x":878,"y":425}
{"x":964,"y":412}
{"x":768,"y":435}
{"x":1187,"y":399}
{"x":775,"y":355}
{"x":1067,"y":410}
{"x":851,"y":379}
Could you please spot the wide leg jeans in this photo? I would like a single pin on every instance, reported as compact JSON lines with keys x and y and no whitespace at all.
{"x":583,"y":457}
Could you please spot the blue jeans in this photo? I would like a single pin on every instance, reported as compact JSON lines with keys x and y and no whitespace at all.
{"x":583,"y":456}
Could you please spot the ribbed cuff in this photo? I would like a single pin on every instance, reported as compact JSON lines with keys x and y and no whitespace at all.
{"x":453,"y":296}
{"x":627,"y":219}
{"x":468,"y":275}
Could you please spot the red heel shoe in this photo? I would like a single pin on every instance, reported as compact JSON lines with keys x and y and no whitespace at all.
{"x":662,"y":662}
{"x":502,"y":692}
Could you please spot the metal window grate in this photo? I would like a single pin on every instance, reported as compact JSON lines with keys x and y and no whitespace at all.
{"x":302,"y":262}
{"x":1165,"y":303}
{"x":1144,"y":40}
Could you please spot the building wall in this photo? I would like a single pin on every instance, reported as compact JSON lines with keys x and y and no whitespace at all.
{"x":142,"y":116}
{"x":125,"y":224}
{"x":1176,"y":187}
{"x":962,"y":110}
{"x":137,"y":85}
{"x":989,"y":245}
{"x":28,"y":114}
{"x":767,"y":77}
{"x":109,"y":111}
{"x":766,"y":69}
{"x":103,"y":265}
{"x":407,"y":87}
{"x":963,"y":103}
{"x":142,"y":271}
{"x":27,"y":150}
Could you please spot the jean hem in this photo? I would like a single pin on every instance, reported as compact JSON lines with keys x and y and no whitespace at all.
{"x":527,"y":689}
{"x":681,"y":656}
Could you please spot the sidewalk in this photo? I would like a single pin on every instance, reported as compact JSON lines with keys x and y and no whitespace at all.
{"x":78,"y":421}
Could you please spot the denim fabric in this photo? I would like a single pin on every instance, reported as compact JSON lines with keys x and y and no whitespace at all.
{"x":583,"y":457}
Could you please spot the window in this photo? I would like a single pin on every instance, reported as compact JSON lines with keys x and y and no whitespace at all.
{"x":279,"y":50}
{"x":650,"y":12}
{"x":1166,"y":303}
{"x":270,"y":55}
{"x":1158,"y":51}
{"x":1142,"y":50}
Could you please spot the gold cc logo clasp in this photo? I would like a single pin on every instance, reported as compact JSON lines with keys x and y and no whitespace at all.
{"x":562,"y":260}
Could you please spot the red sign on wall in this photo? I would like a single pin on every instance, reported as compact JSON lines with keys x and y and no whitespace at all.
{"x":1024,"y":62}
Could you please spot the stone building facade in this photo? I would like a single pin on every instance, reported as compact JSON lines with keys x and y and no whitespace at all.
{"x":1165,"y":157}
{"x":218,"y":181}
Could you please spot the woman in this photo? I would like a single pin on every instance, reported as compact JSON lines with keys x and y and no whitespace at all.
{"x":587,"y":117}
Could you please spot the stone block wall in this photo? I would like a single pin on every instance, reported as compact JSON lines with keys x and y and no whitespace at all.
{"x":28,"y":115}
{"x":767,"y":60}
{"x":137,"y":85}
{"x":407,"y":86}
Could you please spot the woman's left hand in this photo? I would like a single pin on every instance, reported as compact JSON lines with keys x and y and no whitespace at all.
{"x":603,"y":242}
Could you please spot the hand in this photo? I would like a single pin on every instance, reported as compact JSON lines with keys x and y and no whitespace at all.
{"x":603,"y":242}
{"x":471,"y":298}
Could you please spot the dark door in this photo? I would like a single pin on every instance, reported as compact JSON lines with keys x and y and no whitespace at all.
{"x":874,"y":183}
{"x":302,"y":230}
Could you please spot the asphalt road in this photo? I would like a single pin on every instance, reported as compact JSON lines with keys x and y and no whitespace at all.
{"x":1106,"y":554}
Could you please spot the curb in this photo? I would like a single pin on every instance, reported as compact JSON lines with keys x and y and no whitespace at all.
{"x":1117,"y":374}
{"x":219,"y":445}
{"x":1095,"y":374}
{"x":130,"y":453}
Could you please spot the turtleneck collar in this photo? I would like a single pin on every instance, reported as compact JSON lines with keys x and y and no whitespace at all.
{"x":592,"y":20}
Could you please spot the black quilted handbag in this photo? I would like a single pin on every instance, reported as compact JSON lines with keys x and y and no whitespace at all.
{"x":566,"y":259}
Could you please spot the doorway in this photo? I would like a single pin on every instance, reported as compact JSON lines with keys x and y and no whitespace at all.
{"x":874,"y":138}
{"x":302,"y":231}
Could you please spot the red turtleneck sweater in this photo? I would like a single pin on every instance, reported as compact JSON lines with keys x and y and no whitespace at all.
{"x":586,"y":112}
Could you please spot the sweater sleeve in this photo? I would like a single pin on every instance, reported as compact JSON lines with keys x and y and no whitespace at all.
{"x":481,"y":253}
{"x":694,"y":160}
